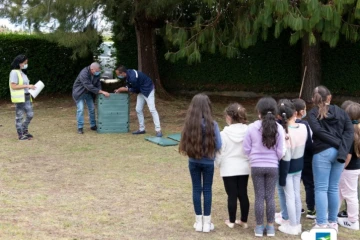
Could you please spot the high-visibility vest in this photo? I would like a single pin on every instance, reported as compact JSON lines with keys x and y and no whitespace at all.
{"x":18,"y":96}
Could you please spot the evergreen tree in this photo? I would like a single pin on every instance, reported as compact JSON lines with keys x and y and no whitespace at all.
{"x":71,"y":23}
{"x":226,"y":26}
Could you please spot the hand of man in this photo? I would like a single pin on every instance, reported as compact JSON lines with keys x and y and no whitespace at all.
{"x":32,"y":87}
{"x":122,"y":89}
{"x":106,"y":94}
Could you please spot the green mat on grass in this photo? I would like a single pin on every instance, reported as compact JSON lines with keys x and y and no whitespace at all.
{"x":175,"y":136}
{"x":162,"y":141}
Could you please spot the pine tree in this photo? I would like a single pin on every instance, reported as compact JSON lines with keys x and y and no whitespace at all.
{"x":226,"y":26}
{"x":70,"y":23}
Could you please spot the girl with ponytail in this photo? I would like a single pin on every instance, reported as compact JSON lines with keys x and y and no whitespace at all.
{"x":350,"y":176}
{"x":333,"y":135}
{"x":291,"y":166}
{"x":263,"y":144}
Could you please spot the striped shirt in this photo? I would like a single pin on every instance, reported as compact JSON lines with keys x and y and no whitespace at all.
{"x":293,"y":161}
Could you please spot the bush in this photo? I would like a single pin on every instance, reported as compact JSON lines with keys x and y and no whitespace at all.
{"x":48,"y":62}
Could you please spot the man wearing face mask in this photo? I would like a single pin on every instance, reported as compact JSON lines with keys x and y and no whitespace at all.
{"x":137,"y":82}
{"x":85,"y":86}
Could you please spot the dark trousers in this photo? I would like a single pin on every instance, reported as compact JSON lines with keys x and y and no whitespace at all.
{"x":308,"y":181}
{"x":202,"y":180}
{"x":264,"y":180}
{"x":236,"y":188}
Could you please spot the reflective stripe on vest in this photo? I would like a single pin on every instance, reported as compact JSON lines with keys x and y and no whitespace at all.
{"x":18,"y":96}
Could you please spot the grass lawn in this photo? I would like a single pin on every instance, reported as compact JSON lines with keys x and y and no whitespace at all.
{"x":62,"y":185}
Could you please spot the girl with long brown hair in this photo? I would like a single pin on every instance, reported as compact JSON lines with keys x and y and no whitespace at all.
{"x":200,"y":140}
{"x":350,"y":176}
{"x":333,"y":135}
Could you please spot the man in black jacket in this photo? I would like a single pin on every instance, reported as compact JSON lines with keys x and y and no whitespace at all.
{"x":85,"y":86}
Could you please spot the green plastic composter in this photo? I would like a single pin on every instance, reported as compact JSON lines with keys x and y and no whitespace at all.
{"x":113,"y":113}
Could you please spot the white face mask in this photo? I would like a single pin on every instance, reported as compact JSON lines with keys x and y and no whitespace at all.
{"x":25,"y":66}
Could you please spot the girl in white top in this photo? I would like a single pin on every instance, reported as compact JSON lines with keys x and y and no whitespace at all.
{"x":234,"y":164}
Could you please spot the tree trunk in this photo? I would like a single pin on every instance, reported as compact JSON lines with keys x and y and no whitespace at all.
{"x":311,"y":59}
{"x":147,"y":54}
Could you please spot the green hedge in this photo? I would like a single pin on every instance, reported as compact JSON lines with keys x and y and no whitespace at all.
{"x":48,"y":62}
{"x":270,"y":67}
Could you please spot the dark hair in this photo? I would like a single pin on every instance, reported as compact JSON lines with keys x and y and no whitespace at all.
{"x":320,"y":96}
{"x":353,"y":110}
{"x":17,"y":60}
{"x":197,"y":141}
{"x":346,"y":103}
{"x":299,"y":104}
{"x":121,"y":69}
{"x":267,"y":108}
{"x":236,"y":112}
{"x":286,"y":111}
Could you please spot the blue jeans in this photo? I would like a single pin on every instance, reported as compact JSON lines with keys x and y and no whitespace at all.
{"x":202,"y":180}
{"x":282,"y":201}
{"x":80,"y":110}
{"x":327,"y":171}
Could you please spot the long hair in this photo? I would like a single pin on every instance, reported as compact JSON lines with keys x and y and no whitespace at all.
{"x":197,"y":136}
{"x":353,"y":110}
{"x":320,"y":96}
{"x":267,"y":109}
{"x":286,"y":111}
{"x":236,"y":112}
{"x":17,"y":60}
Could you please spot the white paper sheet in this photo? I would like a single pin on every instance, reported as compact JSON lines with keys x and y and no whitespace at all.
{"x":38,"y":87}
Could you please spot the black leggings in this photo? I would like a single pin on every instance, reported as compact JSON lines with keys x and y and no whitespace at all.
{"x":236,"y":188}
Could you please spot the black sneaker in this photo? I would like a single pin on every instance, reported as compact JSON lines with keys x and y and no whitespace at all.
{"x":26,"y":133}
{"x":342,"y":214}
{"x":80,"y":131}
{"x":311,"y":214}
{"x":302,"y":211}
{"x":23,"y":137}
{"x":139,"y":132}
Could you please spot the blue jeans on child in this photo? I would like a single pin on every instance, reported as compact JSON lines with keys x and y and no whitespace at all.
{"x":327,"y":171}
{"x":282,"y":202}
{"x":80,"y":110}
{"x":202,"y":180}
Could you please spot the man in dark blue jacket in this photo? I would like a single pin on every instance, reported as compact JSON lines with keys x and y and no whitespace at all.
{"x":137,"y":82}
{"x":85,"y":86}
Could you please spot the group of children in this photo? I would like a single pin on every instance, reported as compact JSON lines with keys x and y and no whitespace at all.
{"x":277,"y":150}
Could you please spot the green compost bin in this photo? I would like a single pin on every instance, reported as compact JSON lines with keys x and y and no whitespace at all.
{"x":113,"y":113}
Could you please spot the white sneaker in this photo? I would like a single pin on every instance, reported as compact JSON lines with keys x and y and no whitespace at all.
{"x":344,"y":222}
{"x":198,"y":225}
{"x":281,"y":221}
{"x":288,"y":229}
{"x":207,"y":224}
{"x":334,"y":226}
{"x":278,"y":215}
{"x":319,"y":226}
{"x":299,"y":227}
